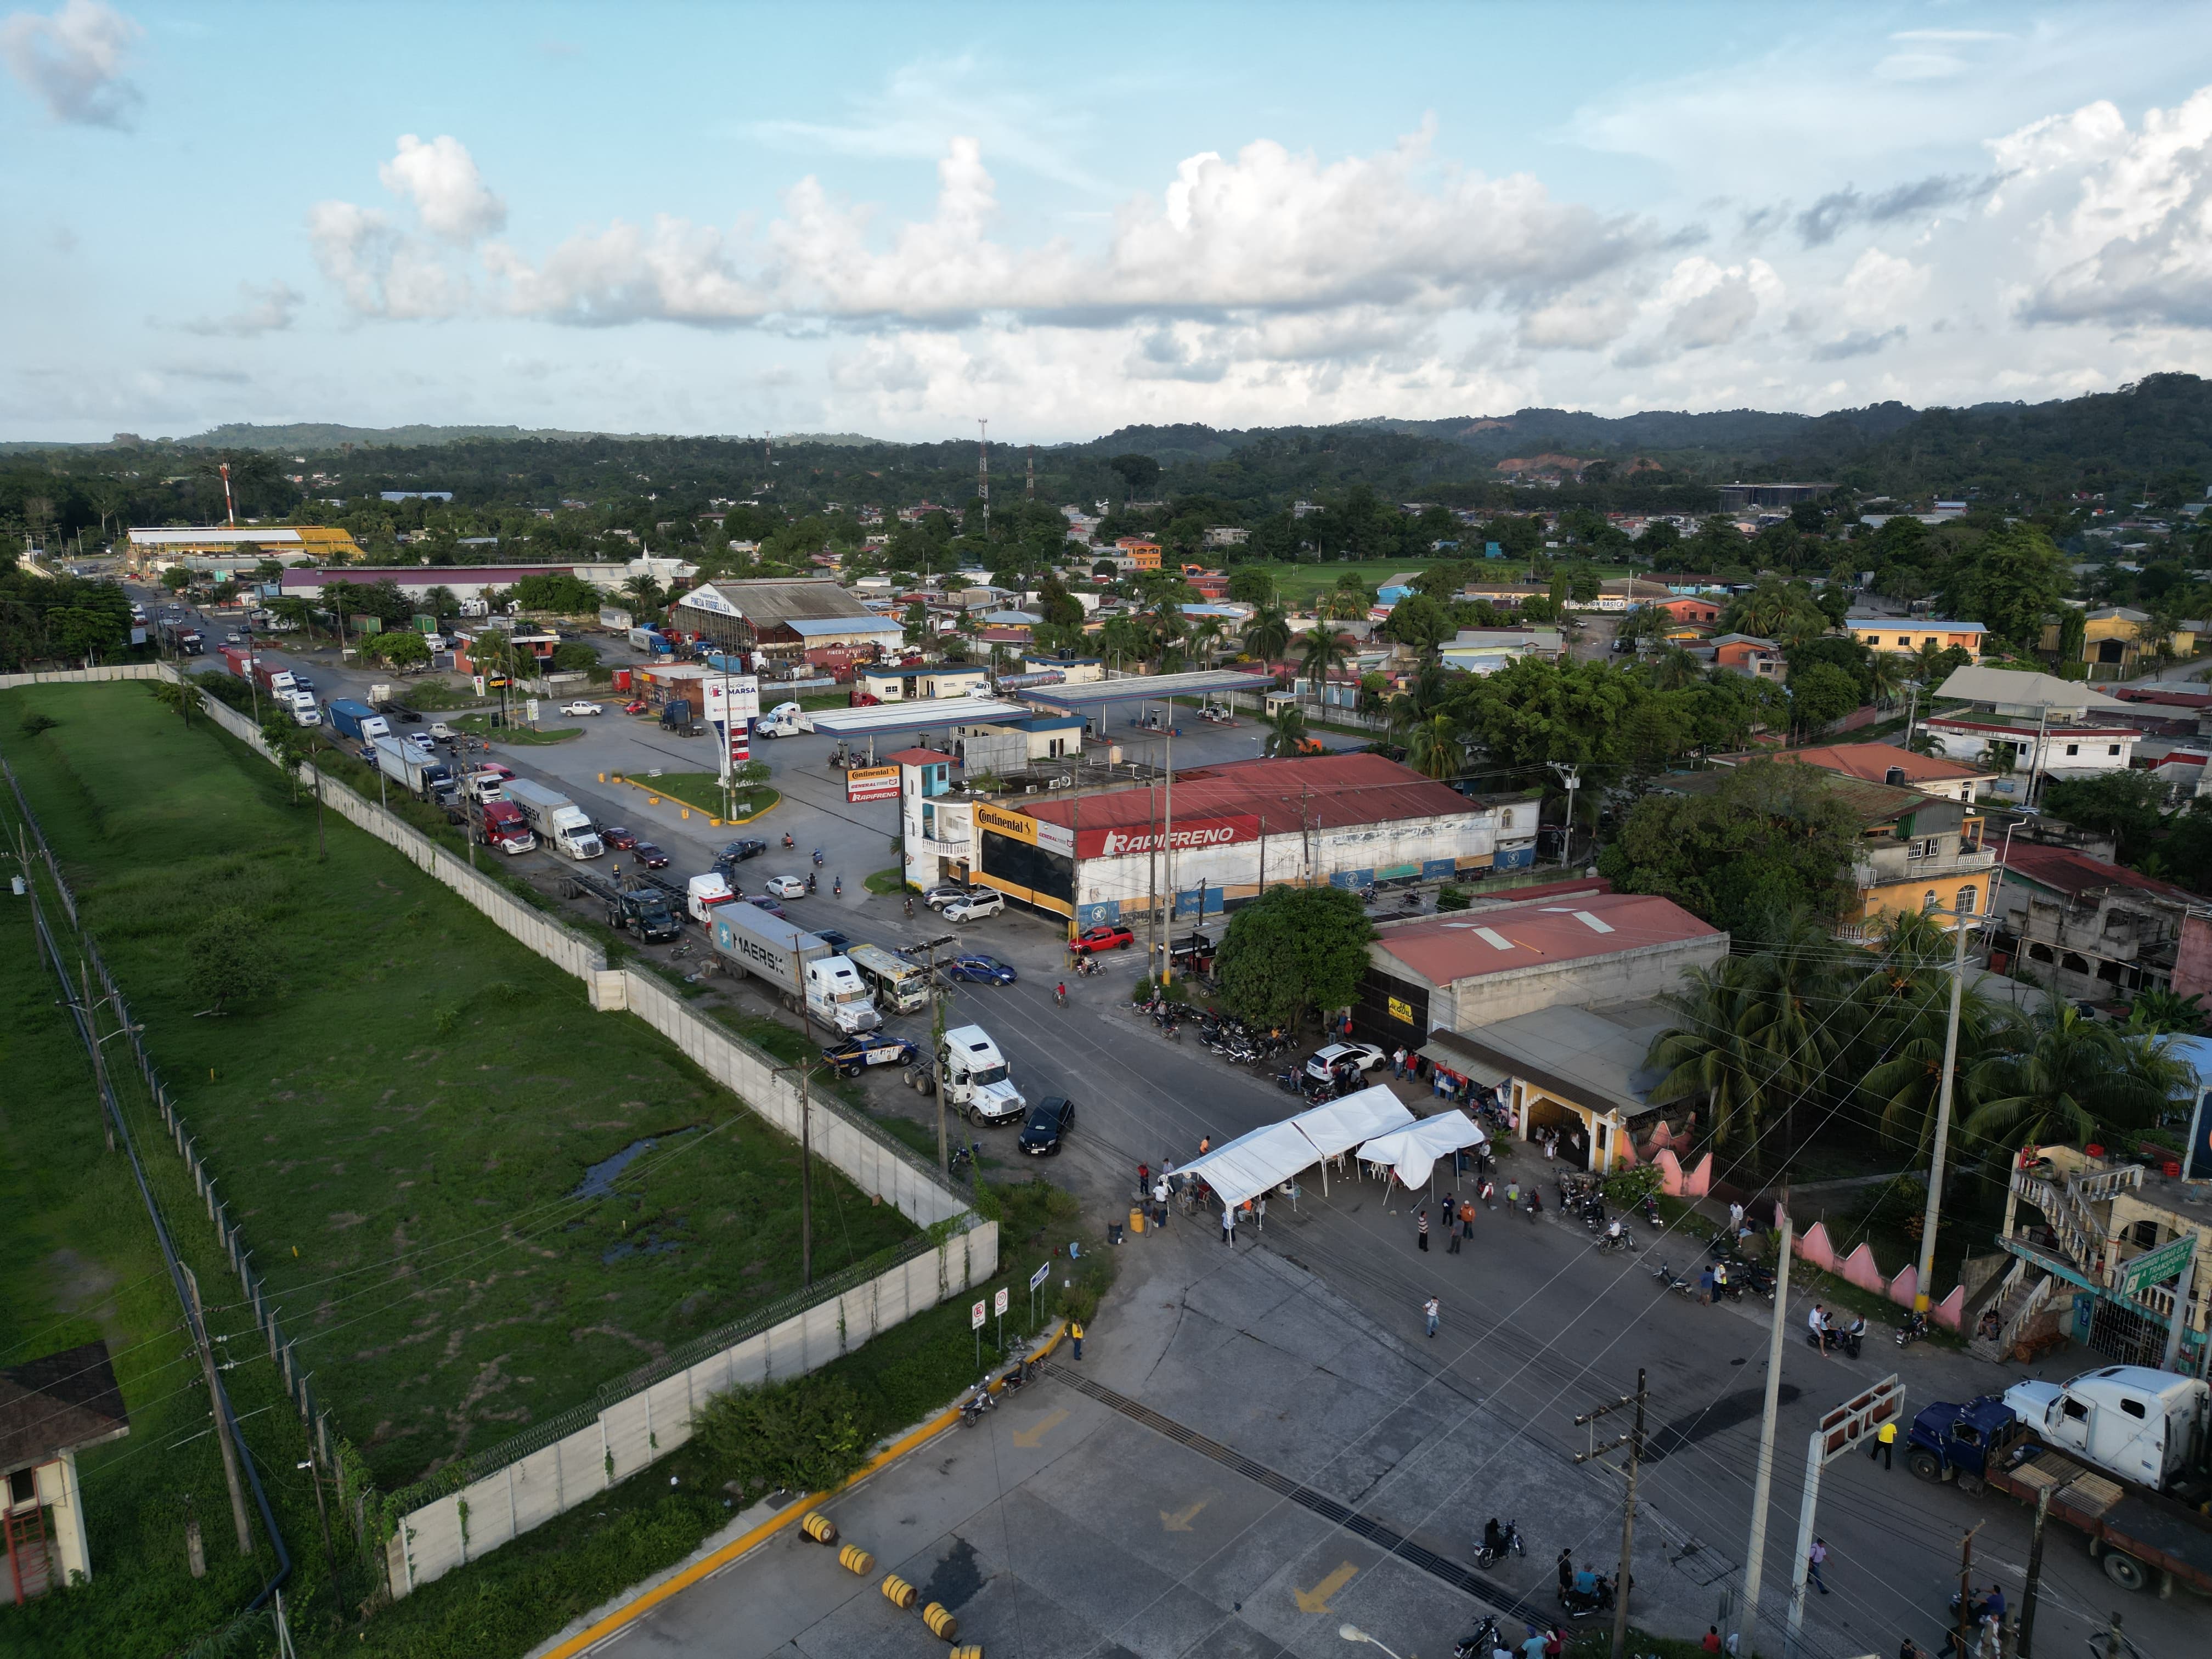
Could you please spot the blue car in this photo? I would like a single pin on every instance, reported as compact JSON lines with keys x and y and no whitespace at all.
{"x":835,"y":940}
{"x":980,"y":969}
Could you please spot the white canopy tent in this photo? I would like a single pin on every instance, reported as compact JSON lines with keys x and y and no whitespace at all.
{"x":1413,"y":1152}
{"x":1253,"y":1163}
{"x":1335,"y":1127}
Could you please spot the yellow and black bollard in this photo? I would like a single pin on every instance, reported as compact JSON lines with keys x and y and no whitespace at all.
{"x":818,"y":1527}
{"x":900,"y":1594}
{"x":942,"y":1625}
{"x":854,"y":1560}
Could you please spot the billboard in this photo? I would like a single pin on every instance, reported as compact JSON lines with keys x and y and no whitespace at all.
{"x":1188,"y":835}
{"x":873,"y":783}
{"x":731,"y":696}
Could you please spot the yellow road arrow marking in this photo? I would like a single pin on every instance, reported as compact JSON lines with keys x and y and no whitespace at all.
{"x":1036,"y":1432}
{"x":1181,"y":1520}
{"x":1316,"y":1599}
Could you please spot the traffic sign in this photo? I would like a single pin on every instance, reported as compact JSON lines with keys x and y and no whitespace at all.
{"x":975,"y":1317}
{"x":1041,"y":1275}
{"x":999,"y":1303}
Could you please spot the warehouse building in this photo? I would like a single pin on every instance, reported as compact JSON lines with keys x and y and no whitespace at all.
{"x":785,"y":620}
{"x":1215,"y":838}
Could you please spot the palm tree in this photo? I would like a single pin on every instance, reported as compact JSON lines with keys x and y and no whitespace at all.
{"x":1886,"y":674}
{"x":1675,"y":668}
{"x":1267,"y":635}
{"x":1124,"y":637}
{"x":2067,"y":1074}
{"x":1287,"y":732}
{"x":1703,"y":1055}
{"x":1433,"y":748}
{"x":1205,"y":641}
{"x":1319,"y":654}
{"x":643,"y":592}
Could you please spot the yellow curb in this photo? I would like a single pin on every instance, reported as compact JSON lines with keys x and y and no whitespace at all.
{"x":631,"y":1611}
{"x":656,"y":796}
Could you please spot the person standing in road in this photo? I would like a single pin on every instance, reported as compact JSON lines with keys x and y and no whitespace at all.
{"x":1467,"y":1220}
{"x":1706,"y":1286}
{"x":1205,"y":1144}
{"x":1450,"y":1214}
{"x":1532,"y":1646}
{"x":1259,"y":1213}
{"x":1814,"y":1558}
{"x":1430,"y":1311}
{"x":1512,"y":1195}
{"x":1566,"y":1570}
{"x":1885,"y":1439}
{"x":1075,"y":1335}
{"x":1421,"y":1224}
{"x":1229,"y":1225}
{"x":1160,"y":1201}
{"x":1817,"y":1323}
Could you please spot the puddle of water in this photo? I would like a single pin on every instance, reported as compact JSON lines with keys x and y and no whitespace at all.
{"x":599,"y":1178}
{"x":648,"y":1242}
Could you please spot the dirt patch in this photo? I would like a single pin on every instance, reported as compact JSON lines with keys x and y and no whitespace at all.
{"x":79,"y":1283}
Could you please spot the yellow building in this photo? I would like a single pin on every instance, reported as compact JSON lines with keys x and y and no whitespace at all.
{"x":1899,"y":636}
{"x":1916,"y":852}
{"x":2120,"y":638}
{"x":286,"y":544}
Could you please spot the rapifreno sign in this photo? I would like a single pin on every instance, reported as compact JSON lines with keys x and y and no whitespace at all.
{"x":1186,"y":836}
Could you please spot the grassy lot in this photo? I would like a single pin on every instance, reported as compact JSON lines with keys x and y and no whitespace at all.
{"x":78,"y":1263}
{"x":1298,"y":583}
{"x":702,"y":793}
{"x":521,"y":1593}
{"x":515,"y":732}
{"x":404,"y":1124}
{"x":892,"y":880}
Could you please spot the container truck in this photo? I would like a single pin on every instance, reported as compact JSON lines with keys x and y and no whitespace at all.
{"x":786,"y":720}
{"x":409,"y":767}
{"x":2145,"y":1425}
{"x":644,"y":639}
{"x":898,"y":985}
{"x":238,"y":660}
{"x":356,"y":719}
{"x":973,"y":1074}
{"x":805,"y":971}
{"x":641,"y":906}
{"x":564,"y":826}
{"x":676,"y":716}
{"x":271,"y":677}
{"x":181,"y":638}
{"x":494,"y":823}
{"x":2143,"y":1537}
{"x":304,"y":711}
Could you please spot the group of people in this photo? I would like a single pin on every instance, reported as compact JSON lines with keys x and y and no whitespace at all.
{"x":1827,"y":1333}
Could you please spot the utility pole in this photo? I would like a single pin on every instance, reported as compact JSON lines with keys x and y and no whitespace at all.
{"x":2026,"y":1643}
{"x":1571,"y":779}
{"x":1030,"y":494}
{"x":938,"y":995}
{"x":1167,"y":841}
{"x":1754,"y":1557}
{"x":315,"y":1478}
{"x":222,"y":1421}
{"x":1920,"y":1298}
{"x":1634,"y":1441}
{"x":1966,"y":1586}
{"x":99,"y":1056}
{"x":983,"y":471}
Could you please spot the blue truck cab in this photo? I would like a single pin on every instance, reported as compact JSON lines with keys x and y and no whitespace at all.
{"x":1947,"y":1439}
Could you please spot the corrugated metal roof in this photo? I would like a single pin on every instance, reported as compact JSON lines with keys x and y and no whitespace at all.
{"x":1460,"y":944}
{"x":1324,"y":792}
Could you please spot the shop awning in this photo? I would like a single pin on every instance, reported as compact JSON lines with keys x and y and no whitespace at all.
{"x":1337,"y":1126}
{"x":1413,"y":1151}
{"x":1252,"y":1164}
{"x":1462,"y":1059}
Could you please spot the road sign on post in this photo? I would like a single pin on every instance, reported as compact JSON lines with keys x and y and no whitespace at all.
{"x":1043,"y":1272}
{"x":1840,"y":1431}
{"x":2156,"y":1267}
{"x":976,"y":1324}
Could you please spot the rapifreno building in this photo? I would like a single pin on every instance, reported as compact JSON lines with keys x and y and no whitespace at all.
{"x":1219,"y":837}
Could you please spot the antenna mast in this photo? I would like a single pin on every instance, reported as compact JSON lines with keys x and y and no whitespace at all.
{"x":983,"y":471}
{"x":1029,"y":495}
{"x":229,"y":508}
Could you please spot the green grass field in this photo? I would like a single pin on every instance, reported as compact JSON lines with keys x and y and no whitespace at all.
{"x":703,"y":792}
{"x":403,"y":1127}
{"x":1297,"y":584}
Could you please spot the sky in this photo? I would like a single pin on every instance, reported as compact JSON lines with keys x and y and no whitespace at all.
{"x":900,"y":220}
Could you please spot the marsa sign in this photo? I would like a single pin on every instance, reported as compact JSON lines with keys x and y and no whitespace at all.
{"x":1186,"y":837}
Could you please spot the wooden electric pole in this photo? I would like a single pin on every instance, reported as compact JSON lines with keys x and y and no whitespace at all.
{"x":1634,"y":1441}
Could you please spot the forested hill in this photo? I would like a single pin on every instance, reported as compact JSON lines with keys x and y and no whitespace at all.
{"x":2150,"y":441}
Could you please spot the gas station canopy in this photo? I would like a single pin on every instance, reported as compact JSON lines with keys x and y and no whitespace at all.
{"x":1095,"y":695}
{"x":931,"y":714}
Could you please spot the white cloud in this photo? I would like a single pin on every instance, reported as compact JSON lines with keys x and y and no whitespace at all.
{"x":262,"y":310}
{"x":72,"y":60}
{"x":449,"y":194}
{"x":2135,"y":247}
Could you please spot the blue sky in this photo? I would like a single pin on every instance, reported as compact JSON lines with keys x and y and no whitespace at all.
{"x":896,"y":219}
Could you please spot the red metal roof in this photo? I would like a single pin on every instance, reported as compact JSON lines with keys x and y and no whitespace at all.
{"x":1467,"y":943}
{"x":2065,"y":870}
{"x":918,"y":757}
{"x":1323,"y":792}
{"x":1872,"y":761}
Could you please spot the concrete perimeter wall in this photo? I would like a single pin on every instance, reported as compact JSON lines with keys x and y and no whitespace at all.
{"x":625,"y":1437}
{"x":122,"y":671}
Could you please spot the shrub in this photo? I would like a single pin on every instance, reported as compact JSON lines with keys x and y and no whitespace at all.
{"x":805,"y":1435}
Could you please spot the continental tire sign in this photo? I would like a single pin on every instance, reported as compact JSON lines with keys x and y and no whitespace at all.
{"x":872,"y":783}
{"x":1031,"y":832}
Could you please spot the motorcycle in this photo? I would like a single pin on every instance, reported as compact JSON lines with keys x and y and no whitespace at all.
{"x":818,"y":855}
{"x":787,"y":841}
{"x":1367,"y":894}
{"x":975,"y":1404}
{"x":1581,"y":1604}
{"x":1413,"y":901}
{"x":1481,"y":1645}
{"x":1535,"y":1205}
{"x":1290,"y":1083}
{"x":909,"y":910}
{"x":1651,"y":1210}
{"x":1845,"y":1340}
{"x":1613,"y":1241}
{"x":1670,"y":1279}
{"x":837,"y":887}
{"x":961,"y":1159}
{"x":1059,"y":996}
{"x":1914,"y":1327}
{"x":1499,"y":1542}
{"x":1017,"y":1375}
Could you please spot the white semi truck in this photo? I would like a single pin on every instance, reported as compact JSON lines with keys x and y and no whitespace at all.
{"x":560,"y":822}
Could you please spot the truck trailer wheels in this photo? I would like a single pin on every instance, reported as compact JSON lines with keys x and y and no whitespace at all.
{"x":2125,"y":1571}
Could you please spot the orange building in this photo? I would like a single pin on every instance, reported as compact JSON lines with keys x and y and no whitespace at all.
{"x":1146,"y":554}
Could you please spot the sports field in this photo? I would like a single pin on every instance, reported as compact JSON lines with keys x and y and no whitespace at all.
{"x":406,"y":1123}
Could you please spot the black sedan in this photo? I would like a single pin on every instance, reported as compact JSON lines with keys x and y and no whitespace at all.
{"x":1048,"y":1122}
{"x":738,"y":851}
{"x":649,"y":855}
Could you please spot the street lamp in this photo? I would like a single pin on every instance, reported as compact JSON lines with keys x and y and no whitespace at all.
{"x":1353,"y":1633}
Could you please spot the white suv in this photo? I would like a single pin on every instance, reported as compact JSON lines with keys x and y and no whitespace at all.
{"x":1339,"y":1057}
{"x":976,"y":906}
